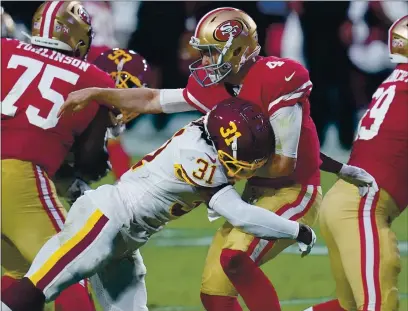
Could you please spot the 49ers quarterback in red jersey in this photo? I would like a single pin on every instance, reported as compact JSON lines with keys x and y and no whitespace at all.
{"x":365,"y":258}
{"x":36,"y":78}
{"x":290,"y":183}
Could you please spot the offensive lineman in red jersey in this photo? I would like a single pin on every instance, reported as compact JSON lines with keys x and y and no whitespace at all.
{"x":230,"y":66}
{"x":364,"y":258}
{"x":35,"y":141}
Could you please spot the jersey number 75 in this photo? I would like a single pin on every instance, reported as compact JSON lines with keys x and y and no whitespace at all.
{"x":33,"y":69}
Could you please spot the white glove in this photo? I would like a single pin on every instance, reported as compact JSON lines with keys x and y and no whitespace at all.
{"x":307,"y":234}
{"x":359,"y":177}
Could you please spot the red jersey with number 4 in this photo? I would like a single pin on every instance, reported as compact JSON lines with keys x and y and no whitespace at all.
{"x":271,"y":83}
{"x":381,"y":145}
{"x":35,"y":82}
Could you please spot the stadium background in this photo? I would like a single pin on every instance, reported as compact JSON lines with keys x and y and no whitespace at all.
{"x":343,"y":44}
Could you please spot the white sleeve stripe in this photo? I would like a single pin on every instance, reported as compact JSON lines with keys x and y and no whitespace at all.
{"x":293,"y":95}
{"x":304,"y":85}
{"x":196,"y":102}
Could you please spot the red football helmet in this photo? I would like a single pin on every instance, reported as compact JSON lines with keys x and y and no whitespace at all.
{"x":128,"y":69}
{"x":242,"y":135}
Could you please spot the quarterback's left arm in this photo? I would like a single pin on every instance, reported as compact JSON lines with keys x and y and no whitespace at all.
{"x":287,"y":87}
{"x":352,"y":174}
{"x":286,"y":124}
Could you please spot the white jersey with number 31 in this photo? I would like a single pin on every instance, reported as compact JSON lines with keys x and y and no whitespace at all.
{"x":163,"y":185}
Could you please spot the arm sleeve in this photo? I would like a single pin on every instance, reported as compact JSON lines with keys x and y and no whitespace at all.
{"x":172,"y":100}
{"x":330,"y":165}
{"x":286,"y":124}
{"x":251,"y":219}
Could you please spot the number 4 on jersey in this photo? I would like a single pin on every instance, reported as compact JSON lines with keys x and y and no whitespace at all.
{"x":273,"y":65}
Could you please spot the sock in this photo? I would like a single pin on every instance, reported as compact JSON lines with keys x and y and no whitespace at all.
{"x":118,"y":158}
{"x":332,"y":305}
{"x":23,"y":296}
{"x":220,"y":303}
{"x":75,"y":297}
{"x":7,"y":281}
{"x":249,"y":280}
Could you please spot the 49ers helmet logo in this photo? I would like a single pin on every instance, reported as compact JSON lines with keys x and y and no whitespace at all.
{"x":224,"y":30}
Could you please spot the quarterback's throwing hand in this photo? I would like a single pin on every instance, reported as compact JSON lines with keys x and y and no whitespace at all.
{"x":306,"y":239}
{"x":76,"y":101}
{"x":359,"y":177}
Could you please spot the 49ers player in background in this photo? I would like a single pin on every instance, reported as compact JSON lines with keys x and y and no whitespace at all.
{"x":290,"y":183}
{"x":35,"y":140}
{"x":364,"y":258}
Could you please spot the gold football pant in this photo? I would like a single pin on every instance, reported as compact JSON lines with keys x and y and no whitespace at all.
{"x":300,"y":203}
{"x":363,"y":250}
{"x":31,"y":214}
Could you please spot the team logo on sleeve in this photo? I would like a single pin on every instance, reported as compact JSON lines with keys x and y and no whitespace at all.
{"x":225,"y":29}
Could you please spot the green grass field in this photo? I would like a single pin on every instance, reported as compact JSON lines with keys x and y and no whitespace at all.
{"x":175,"y":258}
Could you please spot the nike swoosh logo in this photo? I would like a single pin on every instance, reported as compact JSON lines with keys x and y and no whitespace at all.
{"x":212,"y":159}
{"x":287,"y":79}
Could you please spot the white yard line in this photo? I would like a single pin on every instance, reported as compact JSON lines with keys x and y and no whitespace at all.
{"x":293,"y":302}
{"x":172,"y":240}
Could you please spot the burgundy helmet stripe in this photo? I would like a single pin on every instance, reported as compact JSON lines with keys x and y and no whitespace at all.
{"x":54,"y":14}
{"x":47,"y":16}
{"x":200,"y":23}
{"x":46,"y":7}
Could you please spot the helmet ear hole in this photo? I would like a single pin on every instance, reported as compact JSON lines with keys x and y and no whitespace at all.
{"x":237,"y":51}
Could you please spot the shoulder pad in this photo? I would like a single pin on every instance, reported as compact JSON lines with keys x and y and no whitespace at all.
{"x":200,"y":168}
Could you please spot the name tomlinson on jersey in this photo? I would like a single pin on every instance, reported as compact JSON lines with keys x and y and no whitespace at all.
{"x":54,"y":55}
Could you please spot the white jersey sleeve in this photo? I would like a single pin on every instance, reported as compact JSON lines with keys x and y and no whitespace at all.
{"x":250,"y":218}
{"x":286,"y":123}
{"x":172,"y":100}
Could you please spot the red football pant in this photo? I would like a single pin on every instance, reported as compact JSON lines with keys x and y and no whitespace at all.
{"x":118,"y":157}
{"x":249,"y":280}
